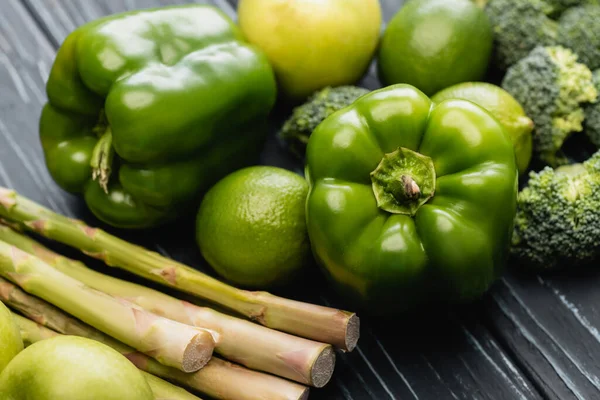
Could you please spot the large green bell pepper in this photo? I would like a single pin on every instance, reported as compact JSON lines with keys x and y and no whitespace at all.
{"x":147,"y":109}
{"x":410,"y":203}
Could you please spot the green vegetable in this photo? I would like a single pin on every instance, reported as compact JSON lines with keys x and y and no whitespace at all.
{"x":72,"y":368}
{"x":557,"y":7}
{"x":503,"y":107}
{"x":579,"y":30}
{"x":161,"y":389}
{"x":398,"y":210}
{"x":592,"y":114}
{"x":188,"y":348}
{"x":519,"y":26}
{"x":433,"y":44}
{"x":552,"y":86}
{"x":218,"y":379}
{"x":148,"y":108}
{"x":245,"y":342}
{"x":557,"y":222}
{"x":297,"y":128}
{"x":323,"y":324}
{"x":9,"y":338}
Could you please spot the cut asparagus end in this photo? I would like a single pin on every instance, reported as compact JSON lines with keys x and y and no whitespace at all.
{"x":198,"y":352}
{"x":352,"y":332}
{"x":322,"y":369}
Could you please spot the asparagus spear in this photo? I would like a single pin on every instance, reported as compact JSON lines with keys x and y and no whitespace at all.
{"x":171,"y":343}
{"x":33,"y":332}
{"x":218,"y":379}
{"x":254,"y":346}
{"x":323,"y":324}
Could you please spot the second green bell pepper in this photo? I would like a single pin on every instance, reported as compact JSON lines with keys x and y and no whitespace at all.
{"x":147,"y":109}
{"x":410,"y":203}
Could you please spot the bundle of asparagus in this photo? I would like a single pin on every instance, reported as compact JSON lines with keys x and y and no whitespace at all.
{"x":289,"y":350}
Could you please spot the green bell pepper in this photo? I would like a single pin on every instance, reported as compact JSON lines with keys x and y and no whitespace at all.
{"x":147,"y":109}
{"x":410,"y":203}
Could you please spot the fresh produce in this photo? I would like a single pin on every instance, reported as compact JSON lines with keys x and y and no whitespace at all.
{"x":171,"y":343}
{"x":519,"y":26}
{"x":72,"y":368}
{"x":296,"y":130}
{"x":557,"y":222}
{"x":147,"y":109}
{"x":161,"y":389}
{"x":32,"y":332}
{"x":313,"y":44}
{"x":12,"y":344}
{"x":251,"y":227}
{"x":242,"y":341}
{"x":579,"y":30}
{"x":553,"y":87}
{"x":433,"y":44}
{"x":592,"y":114}
{"x":218,"y":379}
{"x":323,"y":324}
{"x":398,"y":210}
{"x":503,"y":107}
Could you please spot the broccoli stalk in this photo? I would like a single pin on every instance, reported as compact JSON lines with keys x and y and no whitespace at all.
{"x":579,"y":30}
{"x":297,"y":129}
{"x":592,"y":115}
{"x":553,"y":87}
{"x":557,"y":221}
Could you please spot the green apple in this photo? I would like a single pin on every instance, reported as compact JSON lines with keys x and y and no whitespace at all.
{"x":72,"y":368}
{"x":10,"y":338}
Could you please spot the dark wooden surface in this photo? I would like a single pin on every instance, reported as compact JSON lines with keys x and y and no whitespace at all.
{"x":531,"y":337}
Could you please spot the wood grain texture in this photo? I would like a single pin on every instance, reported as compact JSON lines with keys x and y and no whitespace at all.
{"x":428,"y":357}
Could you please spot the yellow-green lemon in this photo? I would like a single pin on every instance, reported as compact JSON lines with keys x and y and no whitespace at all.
{"x":313,"y":43}
{"x":251,"y":227}
{"x":505,"y":108}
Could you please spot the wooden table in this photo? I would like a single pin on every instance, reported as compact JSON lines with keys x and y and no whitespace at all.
{"x":531,"y":337}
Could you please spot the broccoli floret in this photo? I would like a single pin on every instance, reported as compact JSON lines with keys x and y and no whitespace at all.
{"x":297,"y":129}
{"x":579,"y":30}
{"x":592,"y":115}
{"x":556,"y":7}
{"x":558,"y":219}
{"x":519,"y":26}
{"x":553,"y":88}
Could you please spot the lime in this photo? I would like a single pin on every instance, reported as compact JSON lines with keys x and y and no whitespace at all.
{"x":433,"y":44}
{"x":505,"y":108}
{"x":251,"y":227}
{"x":313,"y":44}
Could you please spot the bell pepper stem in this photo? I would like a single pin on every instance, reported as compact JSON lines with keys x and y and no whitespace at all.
{"x":218,"y":379}
{"x":32,"y":332}
{"x":252,"y":345}
{"x":102,"y":159}
{"x":170,"y":342}
{"x":322,"y":324}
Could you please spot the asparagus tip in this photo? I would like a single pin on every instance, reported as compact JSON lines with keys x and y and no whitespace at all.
{"x":352,"y":332}
{"x":198,"y":353}
{"x":322,"y":369}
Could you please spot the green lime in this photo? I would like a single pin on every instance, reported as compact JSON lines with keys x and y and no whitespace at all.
{"x":433,"y":44}
{"x":251,"y":227}
{"x":505,"y":108}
